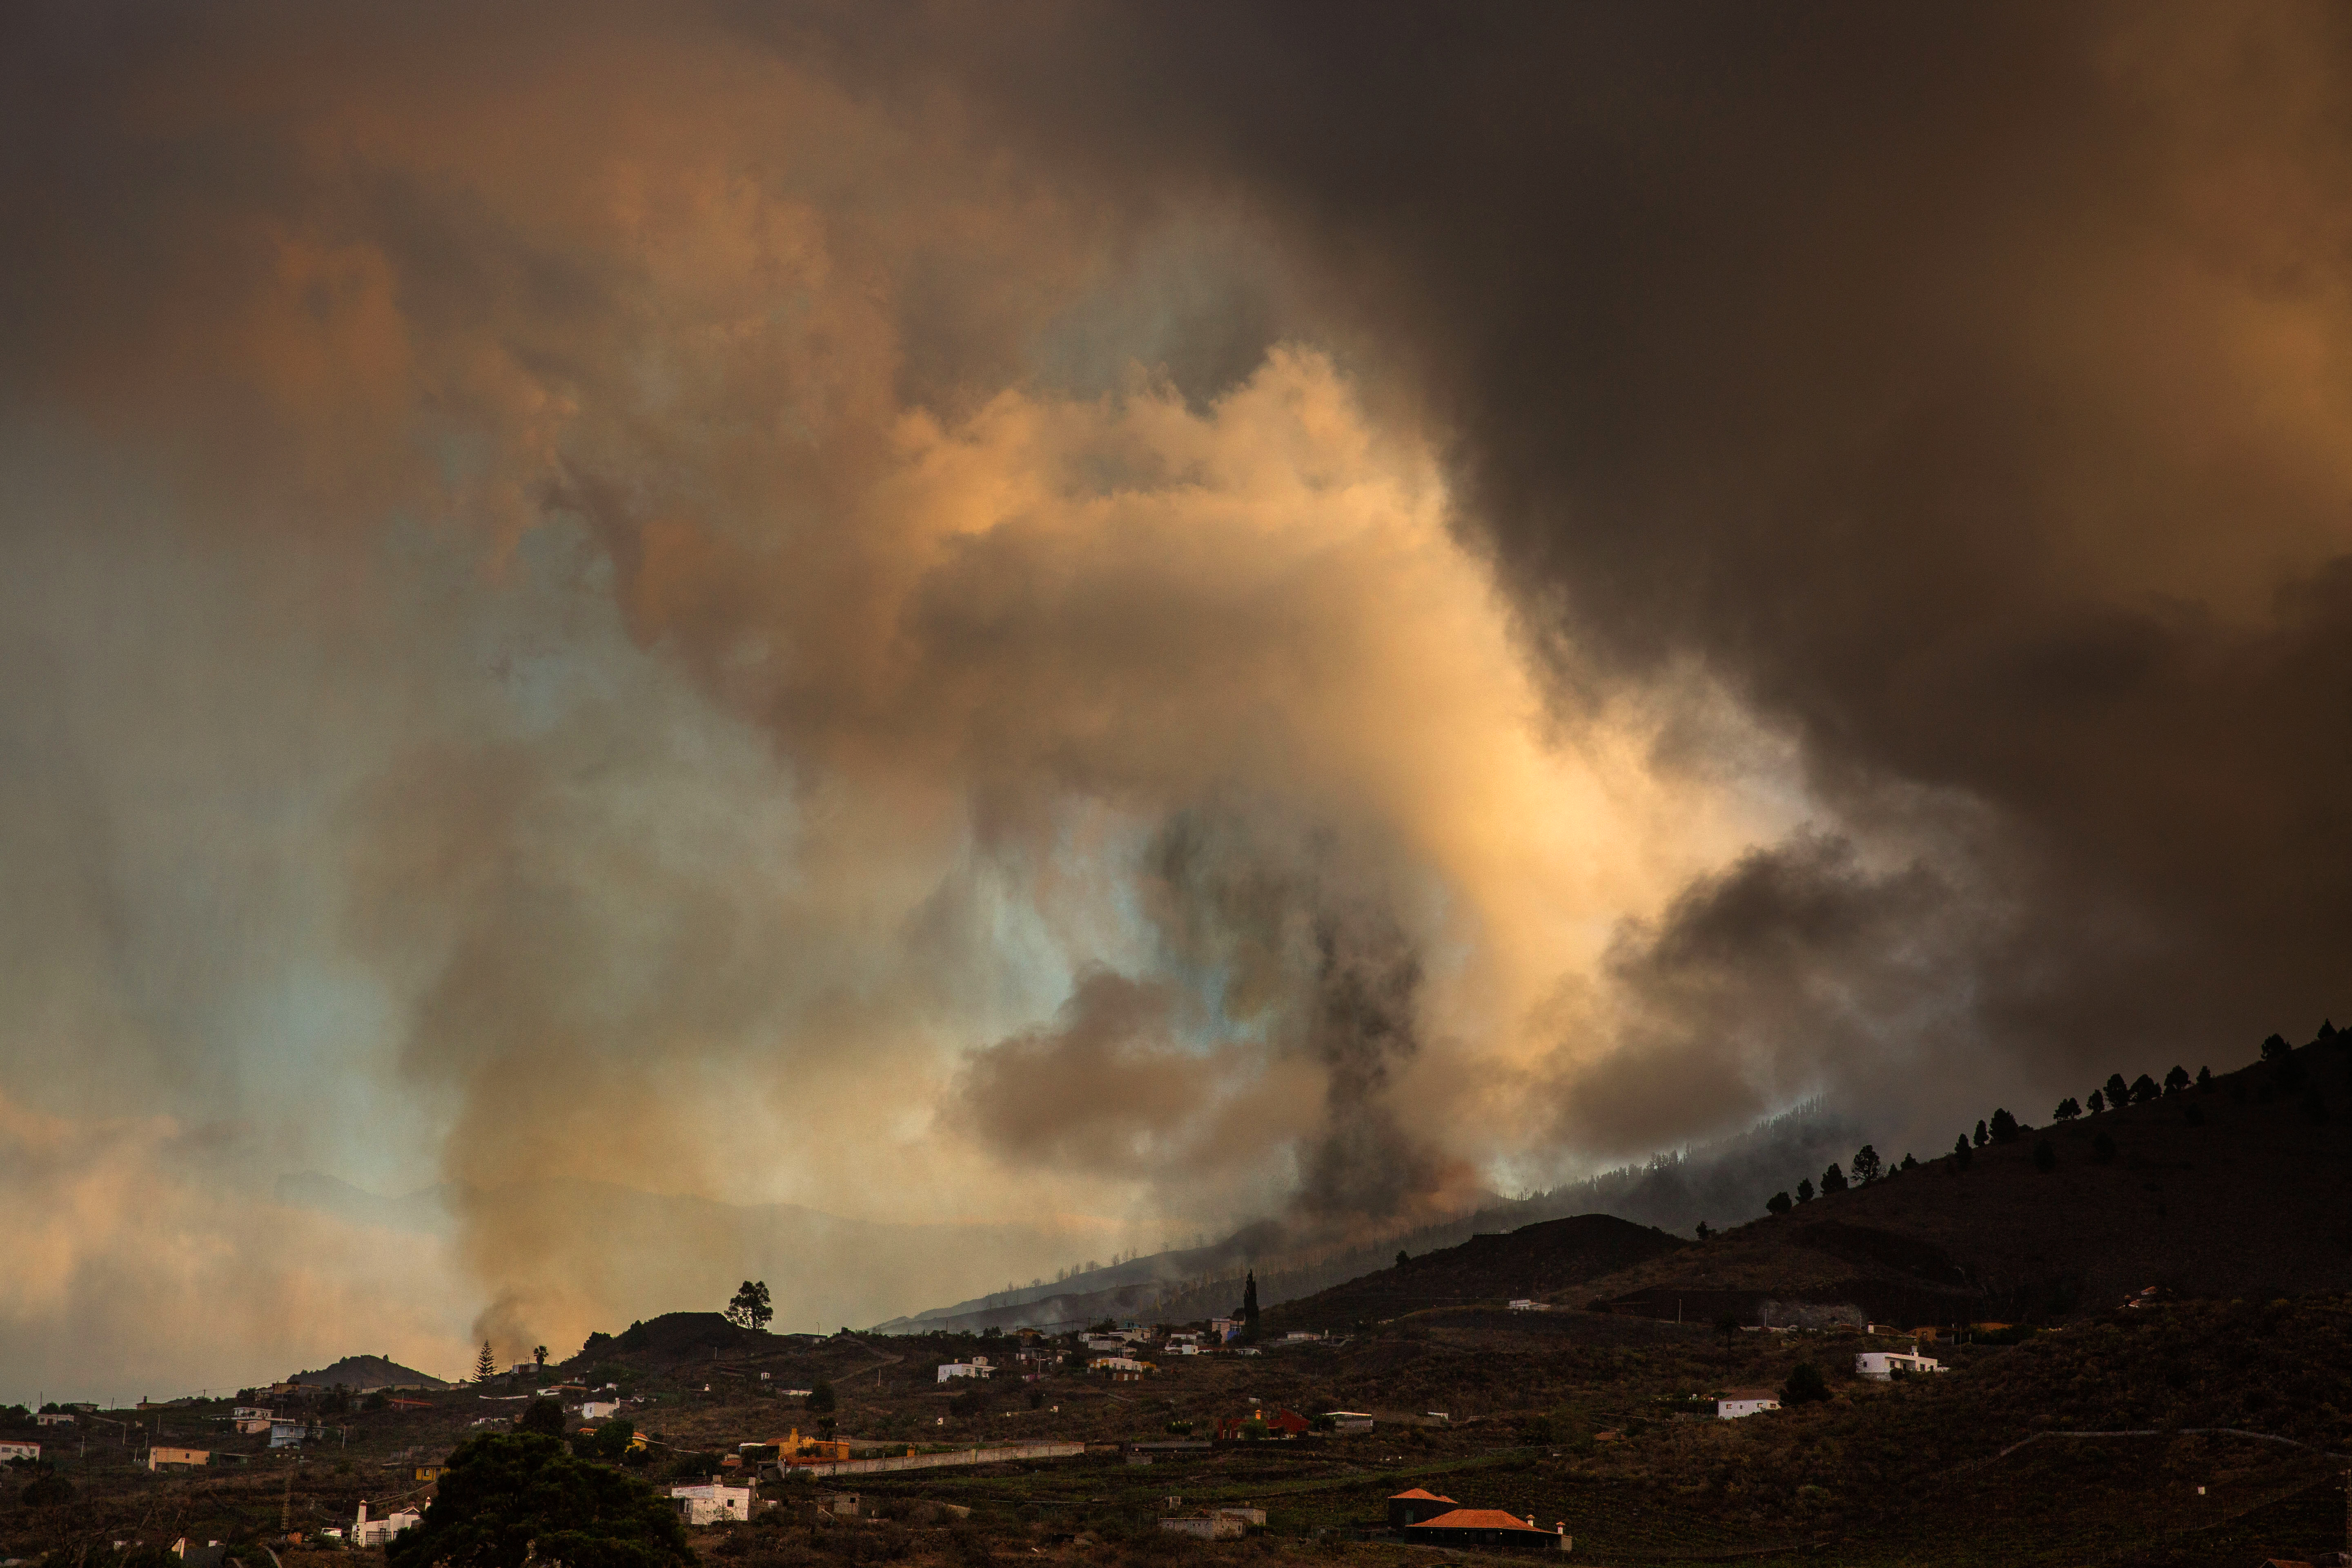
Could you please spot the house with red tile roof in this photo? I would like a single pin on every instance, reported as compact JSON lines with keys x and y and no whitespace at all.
{"x":1412,"y":1507}
{"x":1484,"y":1527}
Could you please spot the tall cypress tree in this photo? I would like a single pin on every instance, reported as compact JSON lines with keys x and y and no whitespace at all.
{"x":1249,"y":1304}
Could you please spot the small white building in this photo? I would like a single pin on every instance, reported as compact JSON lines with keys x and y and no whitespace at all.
{"x":1529,"y":1304}
{"x":286,"y":1434}
{"x":369,"y":1532}
{"x":599,"y":1409}
{"x":1735,"y":1403}
{"x":712,"y":1502}
{"x":1119,"y":1364}
{"x":976,"y":1367}
{"x":1206,"y":1527}
{"x":1351,"y":1420}
{"x":1882,"y":1365}
{"x":20,"y":1451}
{"x":1223,"y":1328}
{"x":54,"y":1418}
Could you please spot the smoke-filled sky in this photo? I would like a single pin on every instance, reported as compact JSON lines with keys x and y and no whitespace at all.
{"x":1034,"y":630}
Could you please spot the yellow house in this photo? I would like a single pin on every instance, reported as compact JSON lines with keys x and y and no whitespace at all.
{"x":159,"y":1458}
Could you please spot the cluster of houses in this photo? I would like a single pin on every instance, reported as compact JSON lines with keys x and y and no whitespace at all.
{"x":1113,"y":1351}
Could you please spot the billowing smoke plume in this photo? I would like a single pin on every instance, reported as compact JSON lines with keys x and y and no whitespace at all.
{"x":1078,"y":623}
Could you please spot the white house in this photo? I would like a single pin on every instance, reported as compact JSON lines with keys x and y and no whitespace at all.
{"x":1884,"y":1365}
{"x":286,"y":1434}
{"x":1223,"y":1329}
{"x":1206,"y":1527}
{"x":598,"y":1409}
{"x":1735,"y":1403}
{"x":20,"y":1451}
{"x":1119,"y":1364}
{"x":376,"y":1531}
{"x":54,"y":1418}
{"x":1351,"y":1420}
{"x":1528,"y":1304}
{"x":712,"y":1503}
{"x":976,"y":1367}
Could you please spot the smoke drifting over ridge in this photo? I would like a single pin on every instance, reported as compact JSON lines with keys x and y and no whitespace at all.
{"x":1294,"y":618}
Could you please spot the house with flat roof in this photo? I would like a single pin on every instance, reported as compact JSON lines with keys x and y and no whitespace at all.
{"x":1735,"y":1403}
{"x":1882,"y":1365}
{"x":712,"y":1502}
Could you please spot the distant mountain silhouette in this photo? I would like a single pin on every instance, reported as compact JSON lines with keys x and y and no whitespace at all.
{"x":1675,"y":1190}
{"x":2240,"y":1190}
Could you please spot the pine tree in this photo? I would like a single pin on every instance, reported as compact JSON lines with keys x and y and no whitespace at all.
{"x":2176,"y":1081}
{"x":1249,"y":1304}
{"x":2118,"y":1091}
{"x":2067,"y":1110}
{"x":1866,"y":1164}
{"x":2004,"y":1127}
{"x":1805,"y":1189}
{"x":2098,"y":1101}
{"x":486,"y":1366}
{"x":1832,"y":1179}
{"x":1778,"y":1203}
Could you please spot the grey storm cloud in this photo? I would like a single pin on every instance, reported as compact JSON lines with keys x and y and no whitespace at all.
{"x":1295,"y":611}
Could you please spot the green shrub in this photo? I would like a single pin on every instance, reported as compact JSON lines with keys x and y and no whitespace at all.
{"x":512,"y":1499}
{"x":1806,"y":1385}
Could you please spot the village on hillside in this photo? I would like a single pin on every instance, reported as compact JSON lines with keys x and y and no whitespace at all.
{"x":1582,"y":1385}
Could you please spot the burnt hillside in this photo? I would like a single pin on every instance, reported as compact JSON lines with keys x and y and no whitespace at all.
{"x":1529,"y":1261}
{"x":2235,"y":1190}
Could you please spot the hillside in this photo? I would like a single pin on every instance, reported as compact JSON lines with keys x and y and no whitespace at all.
{"x":2194,"y":1433}
{"x":1529,"y":1261}
{"x":1672,"y":1190}
{"x":361,"y":1373}
{"x":2237,"y":1190}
